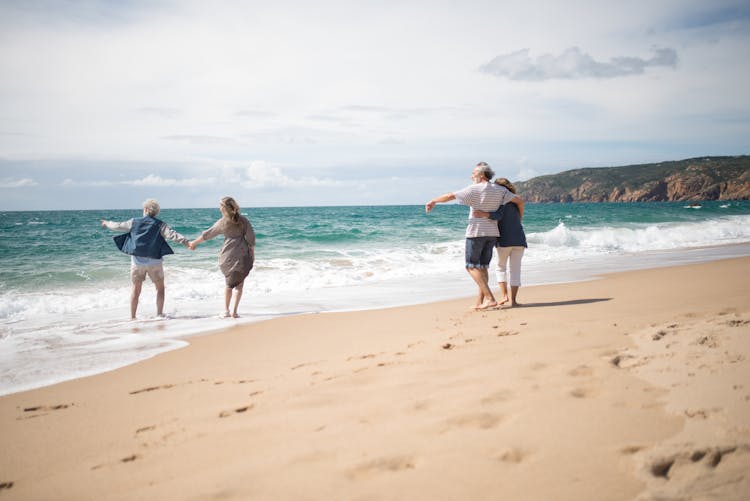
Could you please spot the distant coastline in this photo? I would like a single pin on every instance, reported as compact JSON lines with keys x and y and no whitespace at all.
{"x":693,"y":180}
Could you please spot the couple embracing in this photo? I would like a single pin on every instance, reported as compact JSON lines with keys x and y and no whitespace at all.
{"x":489,"y":203}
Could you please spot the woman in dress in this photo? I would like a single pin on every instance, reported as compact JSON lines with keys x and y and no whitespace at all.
{"x":237,"y":255}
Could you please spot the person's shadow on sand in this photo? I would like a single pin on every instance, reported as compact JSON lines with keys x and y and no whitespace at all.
{"x":564,"y":303}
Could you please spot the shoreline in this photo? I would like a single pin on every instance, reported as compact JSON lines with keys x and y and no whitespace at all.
{"x":158,"y":337}
{"x":634,"y":384}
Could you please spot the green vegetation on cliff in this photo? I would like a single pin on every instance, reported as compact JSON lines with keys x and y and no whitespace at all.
{"x":703,"y":178}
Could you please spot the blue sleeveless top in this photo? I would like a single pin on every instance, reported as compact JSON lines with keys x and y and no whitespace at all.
{"x":144,"y":239}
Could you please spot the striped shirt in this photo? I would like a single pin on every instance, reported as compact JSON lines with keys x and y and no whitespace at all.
{"x":487,"y":197}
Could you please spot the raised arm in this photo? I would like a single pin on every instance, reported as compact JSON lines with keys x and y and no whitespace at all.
{"x":169,"y":234}
{"x":210,"y":233}
{"x":438,"y":200}
{"x":115,"y":226}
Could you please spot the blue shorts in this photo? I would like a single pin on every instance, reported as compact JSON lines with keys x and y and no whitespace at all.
{"x":479,"y":251}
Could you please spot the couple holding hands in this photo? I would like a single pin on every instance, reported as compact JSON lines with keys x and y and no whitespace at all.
{"x":146,"y":243}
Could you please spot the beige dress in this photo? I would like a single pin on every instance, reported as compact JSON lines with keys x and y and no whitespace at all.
{"x":237,"y":255}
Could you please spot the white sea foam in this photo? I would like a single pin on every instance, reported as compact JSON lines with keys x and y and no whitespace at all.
{"x":52,"y":335}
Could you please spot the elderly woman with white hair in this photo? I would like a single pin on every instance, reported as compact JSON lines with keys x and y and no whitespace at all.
{"x":146,"y":243}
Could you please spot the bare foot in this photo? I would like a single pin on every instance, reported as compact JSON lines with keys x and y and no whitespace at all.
{"x":235,"y":315}
{"x":486,"y":306}
{"x":503,"y":300}
{"x":515,"y":304}
{"x":224,"y":315}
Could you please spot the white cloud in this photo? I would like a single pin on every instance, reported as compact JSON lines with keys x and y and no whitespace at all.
{"x":17,"y":183}
{"x":68,"y":182}
{"x":573,"y":63}
{"x":153,"y":180}
{"x":260,"y":174}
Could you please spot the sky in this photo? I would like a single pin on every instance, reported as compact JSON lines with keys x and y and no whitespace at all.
{"x":104,"y":103}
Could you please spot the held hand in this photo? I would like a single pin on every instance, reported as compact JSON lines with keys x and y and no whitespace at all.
{"x":428,"y":206}
{"x":191,"y":245}
{"x":104,"y":223}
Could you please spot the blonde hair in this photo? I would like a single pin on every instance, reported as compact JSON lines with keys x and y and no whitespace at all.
{"x":504,"y":182}
{"x":151,"y":207}
{"x":231,"y":207}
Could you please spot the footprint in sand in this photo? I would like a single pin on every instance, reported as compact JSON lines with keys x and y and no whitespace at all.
{"x":6,"y":485}
{"x":481,"y":420}
{"x":622,"y":360}
{"x":666,"y":466}
{"x":145,"y":429}
{"x":631,"y":449}
{"x":583,"y":392}
{"x":581,"y":371}
{"x":238,"y":410}
{"x":497,"y":397}
{"x":507,"y":333}
{"x":361,"y":357}
{"x":393,"y":464}
{"x":41,"y":410}
{"x":152,"y":388}
{"x":514,"y":456}
{"x":47,"y":407}
{"x":307,"y":364}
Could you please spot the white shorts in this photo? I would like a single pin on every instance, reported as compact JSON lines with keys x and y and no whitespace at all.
{"x":138,"y":273}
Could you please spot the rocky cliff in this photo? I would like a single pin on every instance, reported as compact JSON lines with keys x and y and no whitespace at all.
{"x":705,"y":178}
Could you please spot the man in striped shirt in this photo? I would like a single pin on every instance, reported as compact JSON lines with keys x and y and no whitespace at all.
{"x":481,"y":233}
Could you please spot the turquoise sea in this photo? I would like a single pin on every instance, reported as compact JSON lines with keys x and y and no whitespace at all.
{"x":64,"y":287}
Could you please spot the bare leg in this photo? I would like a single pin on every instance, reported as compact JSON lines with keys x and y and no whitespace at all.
{"x":227,"y":300}
{"x":504,"y":292}
{"x":237,"y":297}
{"x":513,"y":294}
{"x":159,"y":297}
{"x":485,"y":299}
{"x":135,"y":294}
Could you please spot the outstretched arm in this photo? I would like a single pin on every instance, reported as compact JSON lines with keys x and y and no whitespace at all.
{"x":192,"y":245}
{"x":438,"y":200}
{"x":169,"y":234}
{"x":114,"y":226}
{"x":210,"y":233}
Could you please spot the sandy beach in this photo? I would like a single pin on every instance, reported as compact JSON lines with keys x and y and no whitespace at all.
{"x":633,"y":386}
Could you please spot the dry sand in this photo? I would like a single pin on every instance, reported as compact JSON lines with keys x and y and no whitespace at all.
{"x":635,"y":386}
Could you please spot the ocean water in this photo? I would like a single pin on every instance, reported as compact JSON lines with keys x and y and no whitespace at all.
{"x":64,"y":287}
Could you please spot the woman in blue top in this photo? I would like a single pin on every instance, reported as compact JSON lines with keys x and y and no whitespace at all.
{"x":510,"y":245}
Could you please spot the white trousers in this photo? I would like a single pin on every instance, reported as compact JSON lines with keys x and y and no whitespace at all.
{"x":509,"y":263}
